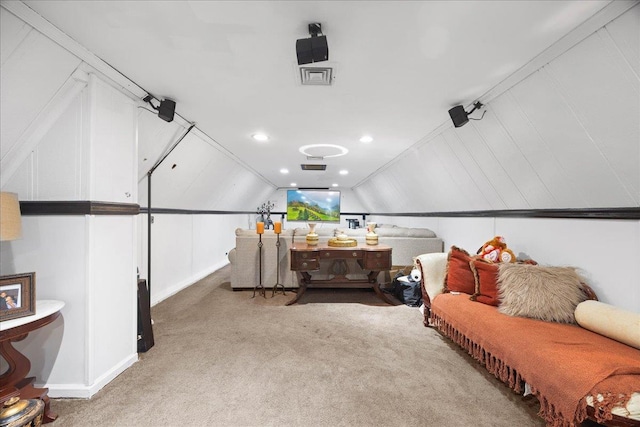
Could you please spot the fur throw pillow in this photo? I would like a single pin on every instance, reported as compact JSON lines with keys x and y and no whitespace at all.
{"x":545,"y":293}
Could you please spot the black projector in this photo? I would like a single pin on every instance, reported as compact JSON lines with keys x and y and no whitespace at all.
{"x":312,"y":49}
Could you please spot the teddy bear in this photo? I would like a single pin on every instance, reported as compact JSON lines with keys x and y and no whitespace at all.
{"x":495,"y":250}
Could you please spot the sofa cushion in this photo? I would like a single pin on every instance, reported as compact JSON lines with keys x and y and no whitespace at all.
{"x":613,"y":322}
{"x":486,"y":279}
{"x":545,"y":293}
{"x":404,"y":232}
{"x":459,"y":277}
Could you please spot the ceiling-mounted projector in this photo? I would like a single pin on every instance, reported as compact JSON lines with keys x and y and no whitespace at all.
{"x":314,"y":48}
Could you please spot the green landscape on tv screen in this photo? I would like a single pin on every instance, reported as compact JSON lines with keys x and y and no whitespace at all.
{"x":313,"y":205}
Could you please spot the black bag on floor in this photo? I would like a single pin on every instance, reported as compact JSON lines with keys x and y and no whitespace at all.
{"x":407,"y":290}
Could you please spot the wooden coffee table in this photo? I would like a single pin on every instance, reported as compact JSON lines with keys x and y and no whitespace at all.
{"x":306,"y":259}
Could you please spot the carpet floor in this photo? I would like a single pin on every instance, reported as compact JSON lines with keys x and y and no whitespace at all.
{"x":337,"y":358}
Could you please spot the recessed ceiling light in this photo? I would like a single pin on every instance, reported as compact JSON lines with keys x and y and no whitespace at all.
{"x":323,"y":150}
{"x":284,"y":171}
{"x":293,"y":184}
{"x":260,"y":137}
{"x":366,"y":139}
{"x":334,"y":185}
{"x":344,"y":172}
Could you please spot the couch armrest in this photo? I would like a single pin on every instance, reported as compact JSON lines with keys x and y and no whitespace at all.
{"x":433,"y":267}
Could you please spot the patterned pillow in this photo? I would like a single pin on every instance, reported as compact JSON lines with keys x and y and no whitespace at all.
{"x":545,"y":293}
{"x":459,"y":277}
{"x":486,"y":280}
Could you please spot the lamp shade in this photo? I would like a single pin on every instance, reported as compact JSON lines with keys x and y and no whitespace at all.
{"x":10,"y":224}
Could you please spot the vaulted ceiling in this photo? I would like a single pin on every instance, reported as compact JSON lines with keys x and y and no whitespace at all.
{"x":398,"y":67}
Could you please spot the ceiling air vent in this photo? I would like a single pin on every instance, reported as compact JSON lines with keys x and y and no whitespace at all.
{"x":316,"y":76}
{"x":310,"y":167}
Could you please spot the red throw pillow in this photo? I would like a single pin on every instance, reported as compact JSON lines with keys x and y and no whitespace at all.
{"x":459,"y":277}
{"x":486,"y":278}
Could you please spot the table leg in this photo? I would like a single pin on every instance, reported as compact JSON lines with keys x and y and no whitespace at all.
{"x":19,"y":366}
{"x":28,"y":391}
{"x":381,"y":295}
{"x":306,"y":277}
{"x":14,"y":382}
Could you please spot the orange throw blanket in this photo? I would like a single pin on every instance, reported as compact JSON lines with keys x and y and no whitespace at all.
{"x":562,"y":363}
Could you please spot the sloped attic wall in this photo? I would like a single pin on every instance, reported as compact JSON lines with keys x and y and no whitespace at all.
{"x":565,"y":137}
{"x":199,"y":174}
{"x":62,"y":127}
{"x":69,"y":133}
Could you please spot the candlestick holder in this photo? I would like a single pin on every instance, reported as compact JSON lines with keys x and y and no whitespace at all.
{"x":278,"y":284}
{"x":259,"y":287}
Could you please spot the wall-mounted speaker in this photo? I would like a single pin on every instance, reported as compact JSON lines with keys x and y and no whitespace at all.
{"x":458,"y":116}
{"x":166,"y":110}
{"x":312,"y":49}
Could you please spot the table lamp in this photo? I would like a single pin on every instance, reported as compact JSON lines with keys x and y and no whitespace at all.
{"x":10,"y":223}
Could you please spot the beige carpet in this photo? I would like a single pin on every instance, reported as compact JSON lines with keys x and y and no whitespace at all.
{"x":337,"y":358}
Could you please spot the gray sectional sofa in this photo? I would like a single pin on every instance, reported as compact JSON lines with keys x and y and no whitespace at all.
{"x":406,"y":243}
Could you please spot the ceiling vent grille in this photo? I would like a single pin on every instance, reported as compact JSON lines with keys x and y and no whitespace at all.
{"x":316,"y":76}
{"x":311,"y":167}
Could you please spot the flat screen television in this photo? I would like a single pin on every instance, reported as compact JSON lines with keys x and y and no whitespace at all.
{"x":313,"y":205}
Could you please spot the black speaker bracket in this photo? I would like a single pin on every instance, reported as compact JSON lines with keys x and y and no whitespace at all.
{"x":476,"y":106}
{"x":148,"y":99}
{"x":315,"y":28}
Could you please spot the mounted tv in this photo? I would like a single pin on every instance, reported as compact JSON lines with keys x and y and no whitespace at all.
{"x":313,"y":205}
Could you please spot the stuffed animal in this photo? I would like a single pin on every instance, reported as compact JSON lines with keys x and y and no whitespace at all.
{"x":495,"y":250}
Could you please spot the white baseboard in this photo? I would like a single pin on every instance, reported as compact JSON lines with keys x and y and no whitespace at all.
{"x":166,"y":293}
{"x":82,"y":391}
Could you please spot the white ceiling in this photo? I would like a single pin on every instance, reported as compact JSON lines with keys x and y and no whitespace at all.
{"x":399,"y":66}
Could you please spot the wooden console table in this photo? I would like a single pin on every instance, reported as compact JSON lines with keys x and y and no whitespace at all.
{"x":306,"y":259}
{"x":13,"y":381}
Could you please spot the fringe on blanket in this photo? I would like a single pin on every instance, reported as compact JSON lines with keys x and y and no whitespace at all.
{"x":512,"y":378}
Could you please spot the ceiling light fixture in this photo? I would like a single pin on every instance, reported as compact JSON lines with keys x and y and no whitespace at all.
{"x":261,"y":137}
{"x":293,"y":184}
{"x":284,"y":171}
{"x":344,"y":172}
{"x":334,"y":185}
{"x":366,"y":139}
{"x":460,"y":117}
{"x":319,"y":153}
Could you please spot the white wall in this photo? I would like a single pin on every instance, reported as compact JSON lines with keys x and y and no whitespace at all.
{"x":567,"y":136}
{"x":67,"y":134}
{"x":185,"y":248}
{"x":607,"y":251}
{"x":85,"y":261}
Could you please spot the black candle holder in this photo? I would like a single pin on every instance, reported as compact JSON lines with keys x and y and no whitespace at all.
{"x":278,"y":284}
{"x":259,"y":287}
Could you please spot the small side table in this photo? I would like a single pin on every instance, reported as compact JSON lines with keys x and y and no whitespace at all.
{"x":13,"y":382}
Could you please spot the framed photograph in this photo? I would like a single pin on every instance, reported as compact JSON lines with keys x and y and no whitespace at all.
{"x":17,"y":296}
